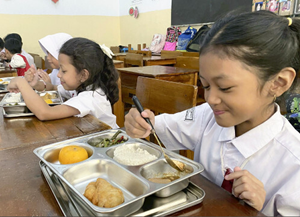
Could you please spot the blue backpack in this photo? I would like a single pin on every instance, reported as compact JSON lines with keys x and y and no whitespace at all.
{"x":185,"y":37}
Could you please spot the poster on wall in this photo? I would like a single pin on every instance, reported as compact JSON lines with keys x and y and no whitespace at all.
{"x":272,"y":5}
{"x":259,"y":6}
{"x":286,"y":8}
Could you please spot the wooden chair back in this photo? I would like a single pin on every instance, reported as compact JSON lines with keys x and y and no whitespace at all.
{"x":118,"y":107}
{"x":167,"y":53}
{"x":187,"y":62}
{"x":192,"y":63}
{"x":133,"y":59}
{"x":115,"y":49}
{"x":162,"y":96}
{"x":191,"y":54}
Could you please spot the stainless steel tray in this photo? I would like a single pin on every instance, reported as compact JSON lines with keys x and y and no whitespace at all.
{"x":132,"y":180}
{"x":153,"y":205}
{"x":5,"y":81}
{"x":14,"y":105}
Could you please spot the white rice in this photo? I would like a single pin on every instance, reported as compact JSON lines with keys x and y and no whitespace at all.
{"x":13,"y":98}
{"x":132,"y":155}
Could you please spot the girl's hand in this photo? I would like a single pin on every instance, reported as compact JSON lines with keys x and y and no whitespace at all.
{"x":13,"y":85}
{"x":45,"y":77}
{"x":31,"y":76}
{"x":248,"y":188}
{"x":135,"y":124}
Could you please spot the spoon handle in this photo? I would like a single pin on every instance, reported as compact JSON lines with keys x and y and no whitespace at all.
{"x":141,"y":109}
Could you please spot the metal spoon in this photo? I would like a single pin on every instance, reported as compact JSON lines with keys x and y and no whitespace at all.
{"x":168,"y":159}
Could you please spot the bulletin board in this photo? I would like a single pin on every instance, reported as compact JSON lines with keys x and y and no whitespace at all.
{"x":205,"y":11}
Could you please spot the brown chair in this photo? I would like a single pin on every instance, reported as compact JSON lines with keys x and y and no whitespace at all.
{"x":115,"y":49}
{"x":187,"y":62}
{"x":133,"y":59}
{"x":167,"y":53}
{"x":162,"y":96}
{"x":192,"y":63}
{"x":118,"y":107}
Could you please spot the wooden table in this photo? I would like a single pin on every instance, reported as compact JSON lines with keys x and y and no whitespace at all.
{"x":8,"y":73}
{"x":25,"y":192}
{"x":129,"y":77}
{"x":118,"y":63}
{"x":159,"y":60}
{"x":119,"y":56}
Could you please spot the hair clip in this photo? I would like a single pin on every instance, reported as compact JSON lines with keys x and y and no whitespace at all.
{"x":290,"y":21}
{"x":107,"y":51}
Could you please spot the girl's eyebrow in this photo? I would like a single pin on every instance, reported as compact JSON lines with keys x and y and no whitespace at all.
{"x":219,"y":77}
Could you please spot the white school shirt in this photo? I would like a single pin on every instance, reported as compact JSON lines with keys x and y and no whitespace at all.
{"x":270,"y":152}
{"x":53,"y":76}
{"x":90,"y":102}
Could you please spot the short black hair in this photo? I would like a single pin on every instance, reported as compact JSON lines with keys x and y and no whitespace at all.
{"x":1,"y":44}
{"x":13,"y":45}
{"x":15,"y":36}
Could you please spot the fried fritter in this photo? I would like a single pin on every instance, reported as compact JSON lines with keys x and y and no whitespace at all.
{"x":90,"y":190}
{"x":103,"y":194}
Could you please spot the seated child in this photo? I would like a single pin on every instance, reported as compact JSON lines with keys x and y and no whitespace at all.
{"x":84,"y":67}
{"x":13,"y":48}
{"x":1,"y":44}
{"x":240,"y":137}
{"x":50,"y":45}
{"x":23,"y":52}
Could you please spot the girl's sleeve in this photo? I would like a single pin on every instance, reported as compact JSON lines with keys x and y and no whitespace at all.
{"x":183,"y":130}
{"x":17,"y":62}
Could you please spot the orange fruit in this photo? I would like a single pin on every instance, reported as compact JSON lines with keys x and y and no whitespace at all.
{"x":72,"y":154}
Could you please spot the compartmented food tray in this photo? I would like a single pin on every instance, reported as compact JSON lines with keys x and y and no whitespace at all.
{"x":153,"y":205}
{"x":3,"y":84}
{"x":134,"y":179}
{"x":14,"y":106}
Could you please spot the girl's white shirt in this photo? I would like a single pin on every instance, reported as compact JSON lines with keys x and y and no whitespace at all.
{"x":90,"y":102}
{"x":17,"y":61}
{"x":270,"y":151}
{"x":53,"y":76}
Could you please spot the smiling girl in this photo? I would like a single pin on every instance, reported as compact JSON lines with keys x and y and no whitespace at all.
{"x":239,"y":136}
{"x":84,"y":67}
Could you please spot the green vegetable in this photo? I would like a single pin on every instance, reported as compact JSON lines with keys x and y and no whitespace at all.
{"x":106,"y":142}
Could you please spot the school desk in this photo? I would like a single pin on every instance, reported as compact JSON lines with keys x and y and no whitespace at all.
{"x":118,"y":63}
{"x":25,"y":192}
{"x":129,"y":77}
{"x":8,"y":73}
{"x":119,"y":56}
{"x":159,"y":60}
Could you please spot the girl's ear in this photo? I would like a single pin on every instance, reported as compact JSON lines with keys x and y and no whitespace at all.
{"x":282,"y":81}
{"x":84,"y":75}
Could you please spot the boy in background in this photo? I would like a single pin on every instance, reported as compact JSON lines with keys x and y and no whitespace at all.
{"x":13,"y":49}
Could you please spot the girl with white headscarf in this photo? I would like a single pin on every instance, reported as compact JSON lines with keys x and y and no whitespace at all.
{"x":51,"y":45}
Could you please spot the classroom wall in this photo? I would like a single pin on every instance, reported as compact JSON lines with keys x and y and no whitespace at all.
{"x":104,"y":21}
{"x":97,"y":20}
{"x":154,"y":17}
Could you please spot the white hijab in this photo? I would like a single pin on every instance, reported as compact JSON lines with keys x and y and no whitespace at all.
{"x":52,"y":44}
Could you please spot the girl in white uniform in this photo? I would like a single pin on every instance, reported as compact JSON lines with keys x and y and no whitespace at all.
{"x":246,"y":61}
{"x":39,"y":79}
{"x":84,"y":67}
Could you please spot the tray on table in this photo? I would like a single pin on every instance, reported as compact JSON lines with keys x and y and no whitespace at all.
{"x":3,"y":84}
{"x":68,"y":181}
{"x":14,"y":106}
